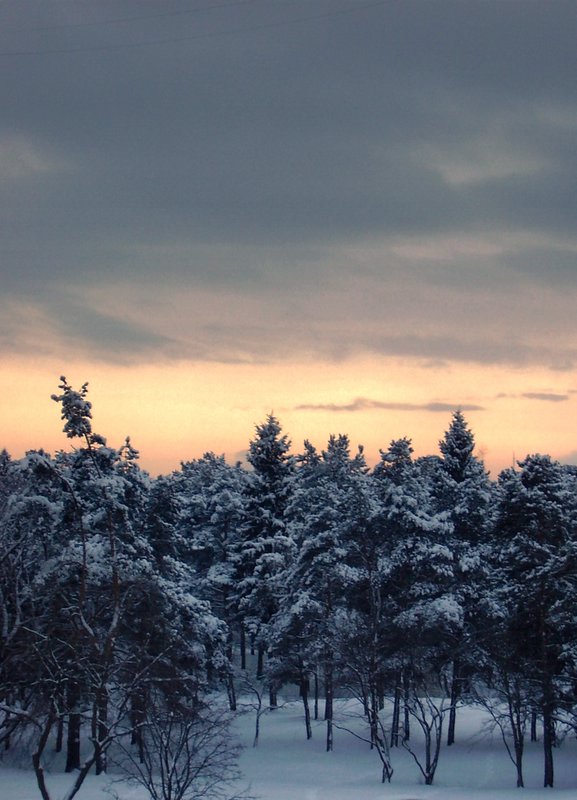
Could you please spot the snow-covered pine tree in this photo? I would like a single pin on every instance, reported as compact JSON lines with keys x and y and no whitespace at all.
{"x":303,"y":630}
{"x":213,"y":512}
{"x":161,"y":523}
{"x":105,"y":553}
{"x":88,"y":640}
{"x":463,"y":491}
{"x":417,"y":576}
{"x":536,"y":583}
{"x":347,"y":512}
{"x":212,"y":499}
{"x":264,"y":548}
{"x":29,"y":512}
{"x":461,"y":485}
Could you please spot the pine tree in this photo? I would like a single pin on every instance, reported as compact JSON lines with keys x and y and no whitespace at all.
{"x":212,"y":499}
{"x":320,"y":513}
{"x":425,"y":615}
{"x":102,"y":626}
{"x":264,"y":547}
{"x":537,"y":581}
{"x":27,"y":518}
{"x":464,"y":492}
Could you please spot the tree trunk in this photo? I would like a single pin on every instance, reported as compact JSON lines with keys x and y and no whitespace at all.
{"x":396,"y":721}
{"x":37,"y":755}
{"x":231,"y":692}
{"x":329,"y":704}
{"x":533,"y":726}
{"x":59,"y":735}
{"x":548,"y":744}
{"x":7,"y":735}
{"x":548,"y":701}
{"x":138,"y":713}
{"x":73,"y":742}
{"x":316,"y":694}
{"x":304,"y":693}
{"x":365,"y":702}
{"x":407,"y":719}
{"x":260,"y":661}
{"x":272,"y":696}
{"x":381,"y":694}
{"x":517,"y":723}
{"x":74,"y":725}
{"x":242,"y":646}
{"x":373,"y":718}
{"x":455,"y":694}
{"x":519,"y":764}
{"x":100,"y":729}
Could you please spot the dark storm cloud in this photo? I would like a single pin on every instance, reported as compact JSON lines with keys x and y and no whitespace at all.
{"x":366,"y":404}
{"x":254,"y":141}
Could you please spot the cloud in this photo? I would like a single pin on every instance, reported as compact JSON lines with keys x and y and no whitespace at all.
{"x":551,"y":397}
{"x":366,"y":404}
{"x":20,"y":159}
{"x":72,"y":329}
{"x":354,"y":188}
{"x":329,"y":320}
{"x":546,"y":396}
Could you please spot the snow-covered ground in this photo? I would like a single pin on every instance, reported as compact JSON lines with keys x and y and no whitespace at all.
{"x":285,"y":766}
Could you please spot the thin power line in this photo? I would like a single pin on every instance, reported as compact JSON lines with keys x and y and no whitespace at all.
{"x":211,"y":35}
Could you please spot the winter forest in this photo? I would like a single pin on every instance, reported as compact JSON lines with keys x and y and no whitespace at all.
{"x":138,"y":615}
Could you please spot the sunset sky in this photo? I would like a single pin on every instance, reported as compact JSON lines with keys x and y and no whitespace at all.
{"x":357,"y":215}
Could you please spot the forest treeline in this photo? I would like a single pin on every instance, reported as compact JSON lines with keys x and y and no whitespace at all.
{"x":421,"y":580}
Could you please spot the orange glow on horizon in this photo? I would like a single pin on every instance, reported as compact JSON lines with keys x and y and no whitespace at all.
{"x":178,"y":411}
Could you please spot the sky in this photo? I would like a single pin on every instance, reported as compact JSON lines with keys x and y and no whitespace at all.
{"x":359,"y":216}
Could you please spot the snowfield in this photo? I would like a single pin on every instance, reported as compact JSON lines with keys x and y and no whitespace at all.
{"x":285,"y":766}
